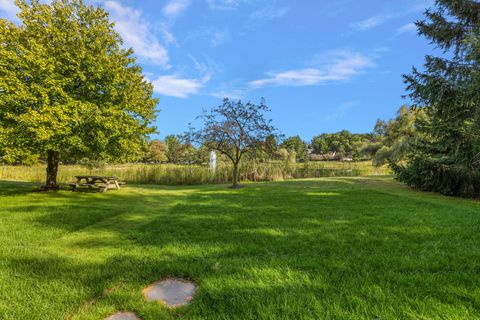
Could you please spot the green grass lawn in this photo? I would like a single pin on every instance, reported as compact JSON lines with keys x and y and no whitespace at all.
{"x":345,"y":248}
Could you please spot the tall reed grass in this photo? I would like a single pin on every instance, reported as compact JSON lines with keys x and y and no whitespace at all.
{"x":170,"y":174}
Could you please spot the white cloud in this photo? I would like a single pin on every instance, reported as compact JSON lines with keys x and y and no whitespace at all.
{"x":235,"y":94}
{"x":129,"y":23}
{"x":420,"y":5}
{"x":224,"y":4}
{"x":268,"y":13}
{"x":175,"y":86}
{"x":137,"y":33}
{"x":182,"y":87}
{"x":266,"y":10}
{"x":300,"y":77}
{"x":219,"y":37}
{"x":412,"y":6}
{"x":167,"y":36}
{"x":343,"y":66}
{"x":341,"y":111}
{"x":409,"y":27}
{"x":371,"y":22}
{"x":175,"y":7}
{"x":8,"y":9}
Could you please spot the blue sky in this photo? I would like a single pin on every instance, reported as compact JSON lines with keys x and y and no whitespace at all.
{"x":322,"y":65}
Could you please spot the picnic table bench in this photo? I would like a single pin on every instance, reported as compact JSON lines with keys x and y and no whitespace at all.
{"x":103,"y":183}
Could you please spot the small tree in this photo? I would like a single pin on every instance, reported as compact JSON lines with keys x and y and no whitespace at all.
{"x":296,"y":144}
{"x":174,"y":149}
{"x":399,"y":136}
{"x":68,"y":89}
{"x":282,"y":154}
{"x":270,"y":146}
{"x":157,"y":152}
{"x":292,"y":156}
{"x":233,"y":129}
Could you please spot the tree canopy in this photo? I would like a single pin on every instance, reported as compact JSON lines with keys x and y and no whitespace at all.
{"x":156,"y":152}
{"x":174,"y":148}
{"x":67,"y":87}
{"x":399,"y":135}
{"x":233,"y":129}
{"x":341,"y":144}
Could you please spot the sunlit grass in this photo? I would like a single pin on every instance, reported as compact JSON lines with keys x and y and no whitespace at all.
{"x":332,"y":248}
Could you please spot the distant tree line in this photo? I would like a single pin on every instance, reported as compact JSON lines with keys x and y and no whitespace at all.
{"x":173,"y":150}
{"x":388,"y":142}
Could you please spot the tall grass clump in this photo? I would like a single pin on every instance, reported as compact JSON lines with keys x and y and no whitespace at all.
{"x":171,"y":174}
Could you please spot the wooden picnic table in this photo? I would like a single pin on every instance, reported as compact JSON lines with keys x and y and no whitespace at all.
{"x":103,"y":183}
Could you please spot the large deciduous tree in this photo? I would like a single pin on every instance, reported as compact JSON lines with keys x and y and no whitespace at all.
{"x":67,"y":87}
{"x":448,"y":158}
{"x":233,"y":129}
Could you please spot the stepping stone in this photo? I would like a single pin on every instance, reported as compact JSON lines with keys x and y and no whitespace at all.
{"x":123,"y":316}
{"x":171,"y":292}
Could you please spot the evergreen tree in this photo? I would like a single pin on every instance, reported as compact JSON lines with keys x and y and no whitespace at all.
{"x":448,"y":157}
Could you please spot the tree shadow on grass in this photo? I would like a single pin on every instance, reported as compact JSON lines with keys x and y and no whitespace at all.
{"x":13,"y":188}
{"x":254,"y":289}
{"x":317,"y":250}
{"x":357,"y":241}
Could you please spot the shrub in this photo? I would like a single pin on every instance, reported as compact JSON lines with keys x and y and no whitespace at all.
{"x":432,"y":175}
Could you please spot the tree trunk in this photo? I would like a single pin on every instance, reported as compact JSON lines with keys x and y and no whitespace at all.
{"x":52,"y":170}
{"x":235,"y":175}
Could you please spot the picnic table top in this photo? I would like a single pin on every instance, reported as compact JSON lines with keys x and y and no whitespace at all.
{"x":103,"y":183}
{"x":97,"y":177}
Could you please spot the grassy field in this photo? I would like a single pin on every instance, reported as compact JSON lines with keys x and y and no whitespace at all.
{"x":171,"y":174}
{"x":331,"y":248}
